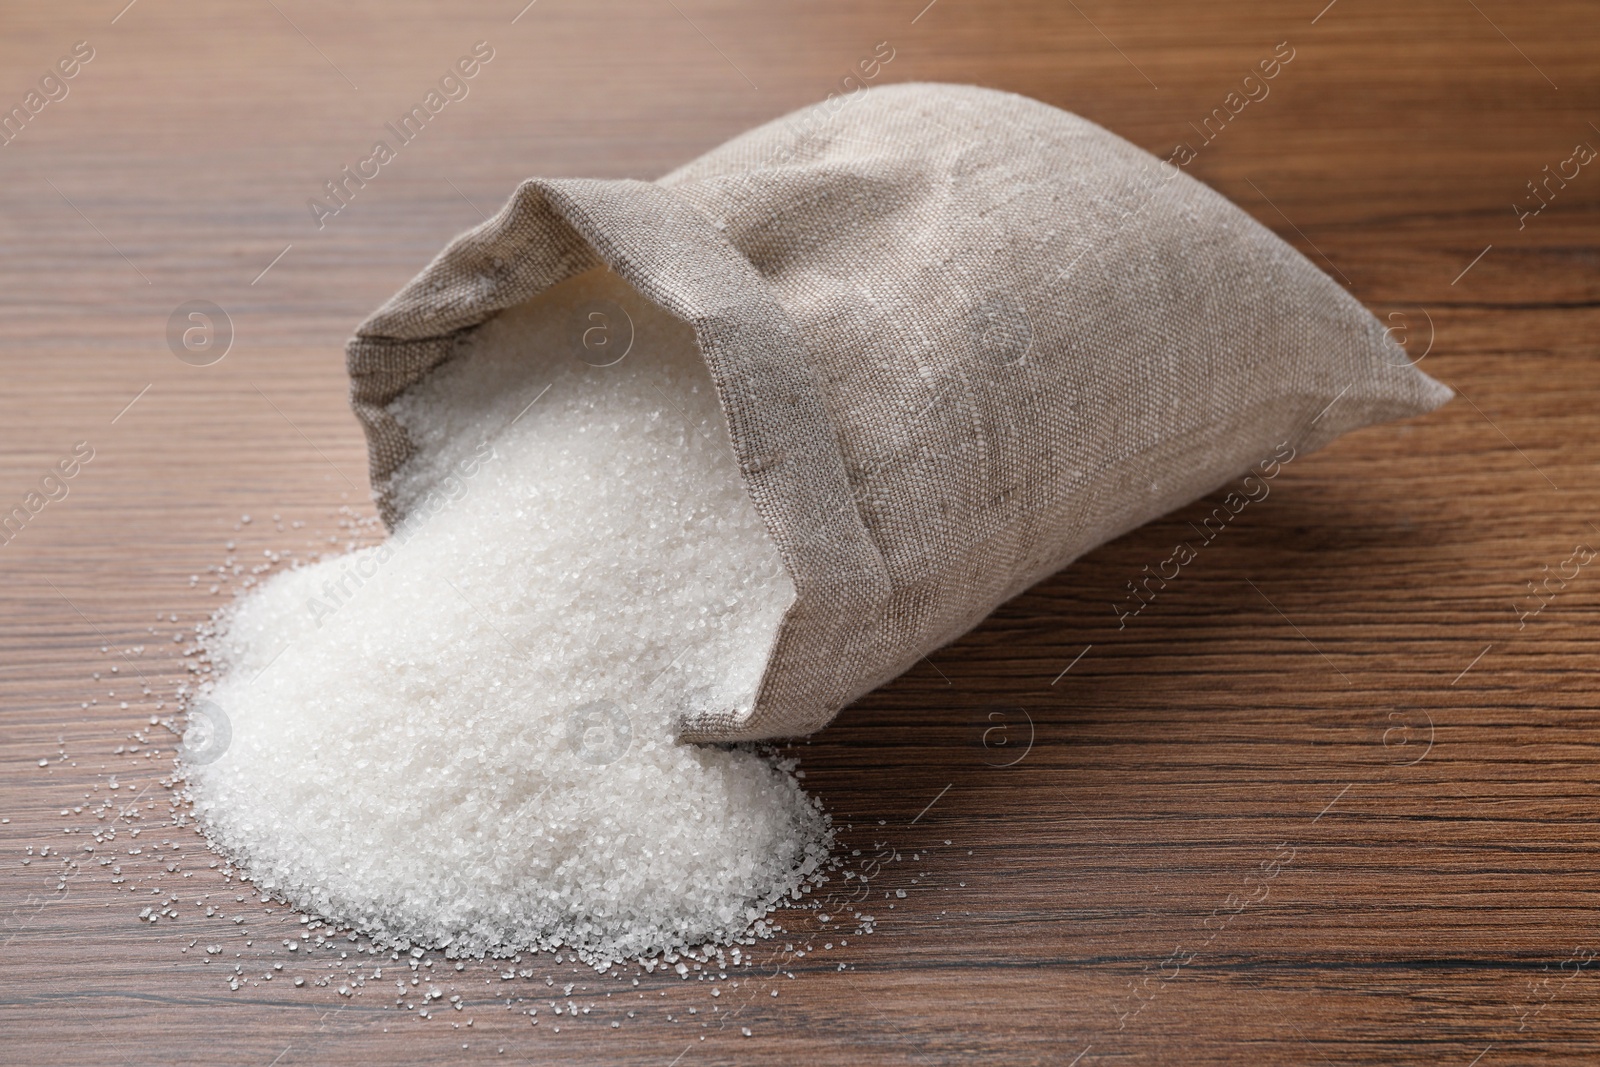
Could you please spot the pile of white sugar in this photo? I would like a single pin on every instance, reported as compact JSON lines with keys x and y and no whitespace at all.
{"x":464,"y":738}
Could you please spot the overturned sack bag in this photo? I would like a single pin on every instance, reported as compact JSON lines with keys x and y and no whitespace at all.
{"x":961,"y":337}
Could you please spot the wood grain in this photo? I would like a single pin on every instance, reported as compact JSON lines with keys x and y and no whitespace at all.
{"x":1327,"y":800}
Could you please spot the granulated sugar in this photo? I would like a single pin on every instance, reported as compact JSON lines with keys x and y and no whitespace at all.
{"x":465,"y":737}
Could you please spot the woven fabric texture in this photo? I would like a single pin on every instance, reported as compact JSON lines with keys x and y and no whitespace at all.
{"x":961,"y":338}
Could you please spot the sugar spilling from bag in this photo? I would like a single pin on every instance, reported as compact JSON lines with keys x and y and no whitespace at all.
{"x":464,"y":737}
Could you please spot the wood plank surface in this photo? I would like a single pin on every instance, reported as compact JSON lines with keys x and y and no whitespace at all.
{"x":1331,"y":798}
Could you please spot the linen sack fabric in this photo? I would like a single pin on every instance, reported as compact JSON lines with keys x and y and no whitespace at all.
{"x":961,"y":337}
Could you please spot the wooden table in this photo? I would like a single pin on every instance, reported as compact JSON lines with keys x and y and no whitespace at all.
{"x":1331,"y":799}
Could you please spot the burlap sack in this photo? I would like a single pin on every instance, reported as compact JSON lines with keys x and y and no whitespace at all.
{"x":961,"y":338}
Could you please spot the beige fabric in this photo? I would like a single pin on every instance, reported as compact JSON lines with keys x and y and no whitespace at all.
{"x":961,"y":338}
